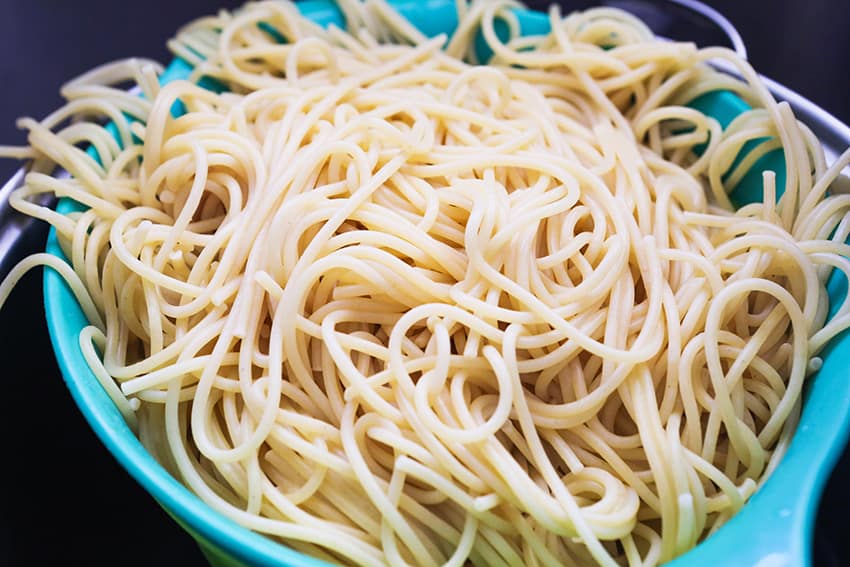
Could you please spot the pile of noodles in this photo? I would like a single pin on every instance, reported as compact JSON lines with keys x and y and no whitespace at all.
{"x":393,"y":307}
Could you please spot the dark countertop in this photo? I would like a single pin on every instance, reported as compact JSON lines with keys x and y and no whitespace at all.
{"x":65,"y":499}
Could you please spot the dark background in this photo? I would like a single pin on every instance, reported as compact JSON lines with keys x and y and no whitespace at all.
{"x":63,"y":499}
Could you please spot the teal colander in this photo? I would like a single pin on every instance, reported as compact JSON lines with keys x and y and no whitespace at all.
{"x":775,"y":527}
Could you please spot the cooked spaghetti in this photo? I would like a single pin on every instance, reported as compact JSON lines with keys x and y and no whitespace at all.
{"x":390,"y":306}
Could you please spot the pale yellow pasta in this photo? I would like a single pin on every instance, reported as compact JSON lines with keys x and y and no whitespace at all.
{"x":392,"y":307}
